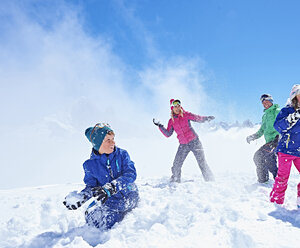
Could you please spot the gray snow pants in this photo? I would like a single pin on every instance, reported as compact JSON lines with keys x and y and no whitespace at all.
{"x":183,"y":150}
{"x":265,"y":160}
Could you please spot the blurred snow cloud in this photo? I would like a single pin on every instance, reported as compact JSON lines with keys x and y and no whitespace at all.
{"x":56,"y":80}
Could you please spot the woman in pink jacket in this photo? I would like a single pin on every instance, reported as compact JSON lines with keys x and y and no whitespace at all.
{"x":189,"y":141}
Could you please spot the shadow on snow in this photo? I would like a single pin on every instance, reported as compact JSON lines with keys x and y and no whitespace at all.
{"x":48,"y":239}
{"x":285,"y":215}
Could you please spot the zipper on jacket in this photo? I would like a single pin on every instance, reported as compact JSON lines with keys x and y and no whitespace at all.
{"x":109,"y":169}
{"x":117,"y":163}
{"x":287,"y":141}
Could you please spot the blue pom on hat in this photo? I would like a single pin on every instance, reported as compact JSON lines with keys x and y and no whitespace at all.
{"x":96,"y":135}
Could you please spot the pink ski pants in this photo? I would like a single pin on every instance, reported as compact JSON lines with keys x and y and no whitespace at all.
{"x":284,"y":169}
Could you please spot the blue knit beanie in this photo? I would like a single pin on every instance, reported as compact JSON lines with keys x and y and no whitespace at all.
{"x":96,"y":135}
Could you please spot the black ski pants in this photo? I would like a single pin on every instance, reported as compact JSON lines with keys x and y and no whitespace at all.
{"x":183,"y":150}
{"x":265,"y":160}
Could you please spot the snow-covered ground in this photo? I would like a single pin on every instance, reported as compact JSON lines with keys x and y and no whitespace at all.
{"x":233,"y":211}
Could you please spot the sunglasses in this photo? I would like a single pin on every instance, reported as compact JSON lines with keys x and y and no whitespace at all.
{"x":176,"y":103}
{"x":264,"y":97}
{"x":102,"y":125}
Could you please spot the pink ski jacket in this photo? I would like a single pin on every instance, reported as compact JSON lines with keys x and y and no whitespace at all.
{"x":182,"y":126}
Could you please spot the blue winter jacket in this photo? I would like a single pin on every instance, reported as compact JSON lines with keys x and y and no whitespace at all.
{"x":104,"y":168}
{"x":289,"y":142}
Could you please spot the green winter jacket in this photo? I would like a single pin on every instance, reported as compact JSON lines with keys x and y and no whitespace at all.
{"x":267,"y":129}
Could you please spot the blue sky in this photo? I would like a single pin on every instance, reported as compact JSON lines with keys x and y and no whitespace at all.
{"x":248,"y":47}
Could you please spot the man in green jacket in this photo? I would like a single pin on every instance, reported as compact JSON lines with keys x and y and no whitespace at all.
{"x":265,"y":158}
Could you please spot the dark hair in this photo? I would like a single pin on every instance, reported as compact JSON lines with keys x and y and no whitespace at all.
{"x":295,"y":103}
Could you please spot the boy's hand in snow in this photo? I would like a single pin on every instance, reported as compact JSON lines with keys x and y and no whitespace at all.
{"x":157,"y":123}
{"x":104,"y":192}
{"x":74,"y":200}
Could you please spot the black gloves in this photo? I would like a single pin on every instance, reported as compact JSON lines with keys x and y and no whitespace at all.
{"x":209,"y":118}
{"x":104,"y":192}
{"x":251,"y":138}
{"x":294,"y":117}
{"x":157,"y":123}
{"x":74,"y":200}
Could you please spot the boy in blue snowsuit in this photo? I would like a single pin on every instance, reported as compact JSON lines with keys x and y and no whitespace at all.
{"x":109,"y":177}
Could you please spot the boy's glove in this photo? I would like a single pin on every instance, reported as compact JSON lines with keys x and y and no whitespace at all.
{"x":209,"y":118}
{"x":294,"y":117}
{"x":74,"y":200}
{"x":157,"y":123}
{"x":104,"y":192}
{"x":251,"y":138}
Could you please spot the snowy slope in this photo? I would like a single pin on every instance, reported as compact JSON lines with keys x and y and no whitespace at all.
{"x":231,"y":212}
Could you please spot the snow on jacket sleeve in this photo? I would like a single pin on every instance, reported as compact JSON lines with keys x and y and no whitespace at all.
{"x":281,"y":123}
{"x":128,"y":174}
{"x":169,"y":131}
{"x":194,"y":117}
